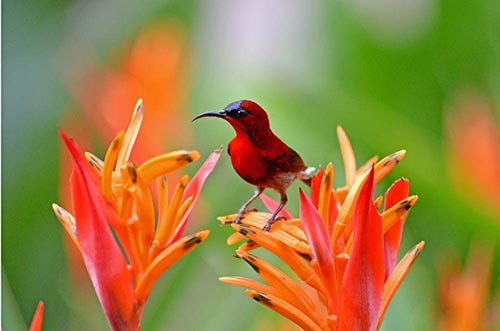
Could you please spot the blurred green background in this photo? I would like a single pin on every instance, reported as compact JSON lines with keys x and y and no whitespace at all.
{"x":388,"y":72}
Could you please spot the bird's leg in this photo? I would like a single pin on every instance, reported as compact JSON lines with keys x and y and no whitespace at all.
{"x":245,"y":206}
{"x":273,"y":219}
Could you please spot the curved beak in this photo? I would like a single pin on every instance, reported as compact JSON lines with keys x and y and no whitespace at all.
{"x":212,"y":113}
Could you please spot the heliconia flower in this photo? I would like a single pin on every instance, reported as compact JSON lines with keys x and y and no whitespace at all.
{"x":36,"y":322}
{"x":464,"y":294}
{"x":112,"y":198}
{"x":73,"y":122}
{"x":341,"y":247}
{"x":473,"y":146}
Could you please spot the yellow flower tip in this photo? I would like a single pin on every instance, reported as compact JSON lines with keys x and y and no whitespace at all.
{"x":412,"y":200}
{"x":225,"y":279}
{"x":196,"y":239}
{"x":68,"y":222}
{"x":226,"y":219}
{"x":259,"y":297}
{"x":406,"y":204}
{"x":94,"y":161}
{"x":132,"y":172}
{"x":184,"y":181}
{"x":193,"y":155}
{"x":165,"y":163}
{"x":116,"y":144}
{"x":418,"y":248}
{"x":234,"y":238}
{"x":329,"y":169}
{"x":395,"y":157}
{"x":139,"y":106}
{"x":340,"y":131}
{"x":63,"y":215}
{"x":57,"y":210}
{"x":164,"y":260}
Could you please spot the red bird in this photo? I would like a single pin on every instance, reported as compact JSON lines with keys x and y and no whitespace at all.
{"x":258,"y":155}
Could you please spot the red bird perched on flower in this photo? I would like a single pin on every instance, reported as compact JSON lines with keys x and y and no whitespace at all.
{"x":258,"y":155}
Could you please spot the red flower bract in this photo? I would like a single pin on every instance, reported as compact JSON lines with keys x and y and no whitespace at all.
{"x":36,"y":322}
{"x":105,"y":263}
{"x":361,"y":293}
{"x":127,"y":243}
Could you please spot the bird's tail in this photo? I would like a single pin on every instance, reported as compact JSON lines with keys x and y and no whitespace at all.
{"x":306,"y":175}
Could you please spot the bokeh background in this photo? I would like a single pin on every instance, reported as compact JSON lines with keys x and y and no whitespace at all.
{"x":420,"y":75}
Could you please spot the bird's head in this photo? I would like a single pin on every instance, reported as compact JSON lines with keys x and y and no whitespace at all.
{"x":243,"y":115}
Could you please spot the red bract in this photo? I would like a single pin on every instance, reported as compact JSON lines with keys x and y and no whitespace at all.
{"x":319,"y":241}
{"x":127,"y":244}
{"x":341,"y":247}
{"x":193,"y":190}
{"x":392,"y":238}
{"x":361,"y":293}
{"x":36,"y":322}
{"x":105,"y":263}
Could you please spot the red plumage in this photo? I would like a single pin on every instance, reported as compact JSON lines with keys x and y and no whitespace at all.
{"x":258,"y":155}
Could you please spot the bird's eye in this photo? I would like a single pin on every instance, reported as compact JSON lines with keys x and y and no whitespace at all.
{"x":238,"y":113}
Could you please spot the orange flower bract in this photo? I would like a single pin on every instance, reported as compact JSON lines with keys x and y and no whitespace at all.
{"x":112,"y":199}
{"x":341,"y":247}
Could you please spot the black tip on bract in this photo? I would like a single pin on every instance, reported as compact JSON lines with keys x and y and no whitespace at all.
{"x":211,"y":113}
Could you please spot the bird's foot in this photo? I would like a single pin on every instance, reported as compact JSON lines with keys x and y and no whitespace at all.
{"x":240,"y":214}
{"x":271,"y":221}
{"x":237,"y":219}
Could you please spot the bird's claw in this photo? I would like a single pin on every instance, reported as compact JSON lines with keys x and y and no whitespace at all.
{"x":237,"y":219}
{"x":239,"y":216}
{"x":271,"y":221}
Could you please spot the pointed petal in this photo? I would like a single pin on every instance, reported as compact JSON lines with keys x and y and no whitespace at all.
{"x":286,"y":231}
{"x":361,"y":293}
{"x":316,"y":185}
{"x":94,"y":161}
{"x":109,"y":165}
{"x":102,"y":256}
{"x":346,"y":210}
{"x":166,"y":226}
{"x":285,"y":309}
{"x":164,"y":260}
{"x":163,"y":164}
{"x":193,"y":189}
{"x":319,"y":240}
{"x":392,"y":238}
{"x":36,"y":322}
{"x":272,"y":205}
{"x":249,"y":283}
{"x":286,"y":253}
{"x":131,"y":134}
{"x":287,"y":289}
{"x":384,"y":166}
{"x":347,"y":156}
{"x":144,"y":212}
{"x":325,"y":195}
{"x":396,"y":278}
{"x":68,"y":222}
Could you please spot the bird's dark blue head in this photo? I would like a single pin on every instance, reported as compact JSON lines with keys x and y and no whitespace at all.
{"x":245,"y":115}
{"x":235,"y":110}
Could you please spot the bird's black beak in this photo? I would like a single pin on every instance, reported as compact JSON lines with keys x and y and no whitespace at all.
{"x":212,"y":113}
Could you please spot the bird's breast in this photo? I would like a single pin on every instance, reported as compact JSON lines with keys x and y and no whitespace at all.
{"x":270,"y":168}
